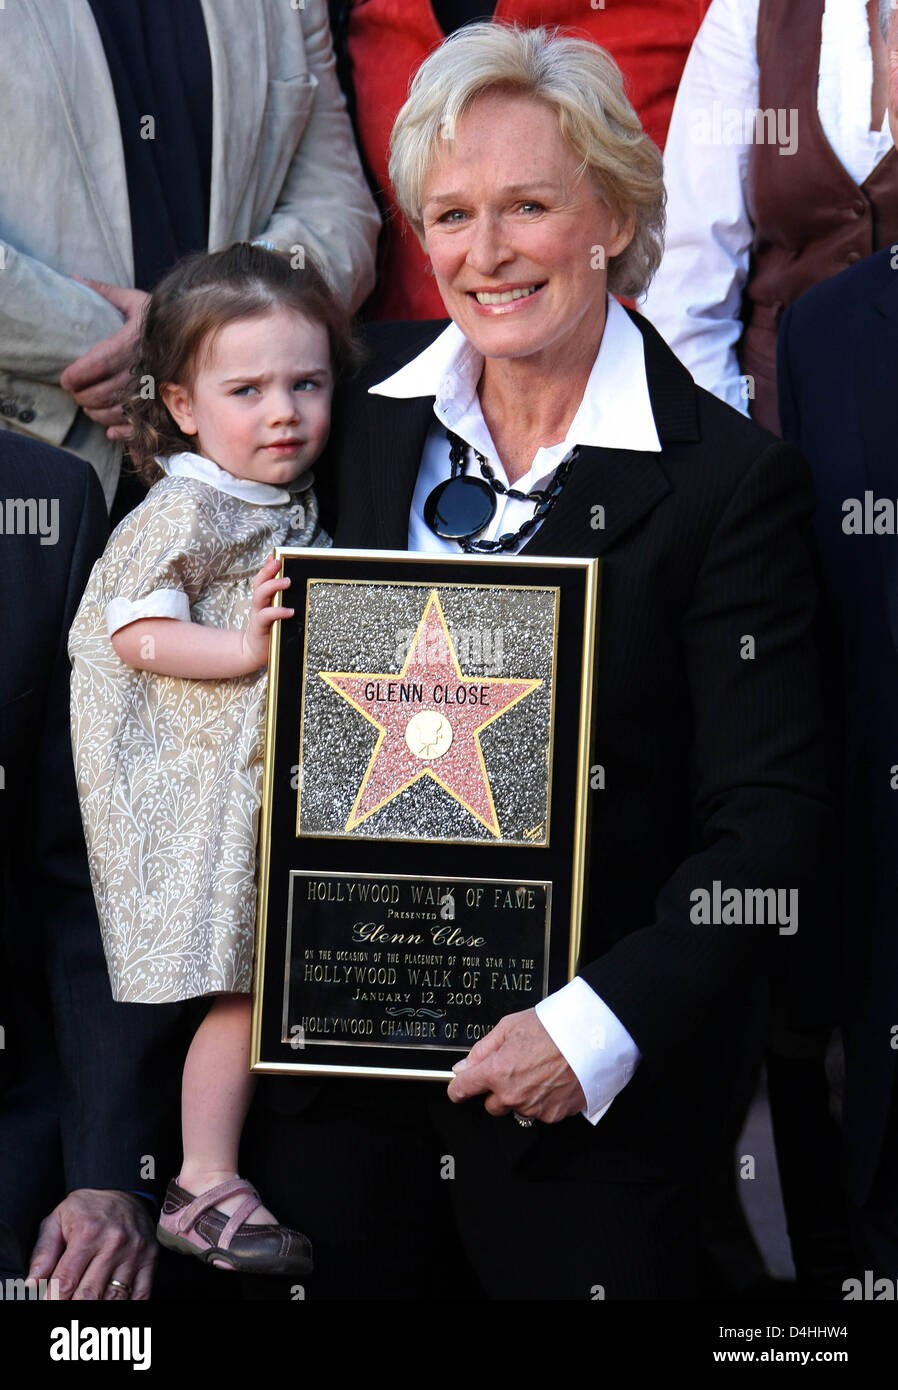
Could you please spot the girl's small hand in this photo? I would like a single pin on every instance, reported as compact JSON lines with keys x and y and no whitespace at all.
{"x":257,"y":633}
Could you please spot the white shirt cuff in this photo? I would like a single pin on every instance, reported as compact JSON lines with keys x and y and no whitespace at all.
{"x":593,"y":1041}
{"x":162,"y":603}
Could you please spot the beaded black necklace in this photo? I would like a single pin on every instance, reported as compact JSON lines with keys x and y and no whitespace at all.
{"x":459,"y":508}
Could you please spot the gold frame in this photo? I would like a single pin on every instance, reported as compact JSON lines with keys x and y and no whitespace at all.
{"x":591,"y":567}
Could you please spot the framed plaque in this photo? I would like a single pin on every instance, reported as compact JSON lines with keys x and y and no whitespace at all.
{"x":424,"y":825}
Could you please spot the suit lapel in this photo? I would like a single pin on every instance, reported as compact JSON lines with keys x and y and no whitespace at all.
{"x":611,"y":490}
{"x":396,"y":432}
{"x":239,"y":89}
{"x":70,"y":42}
{"x":877,"y":408}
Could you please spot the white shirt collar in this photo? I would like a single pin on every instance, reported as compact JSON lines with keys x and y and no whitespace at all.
{"x":205,"y":470}
{"x":614,"y":413}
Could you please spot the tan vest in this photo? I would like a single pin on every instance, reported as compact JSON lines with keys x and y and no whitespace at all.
{"x":811,"y":219}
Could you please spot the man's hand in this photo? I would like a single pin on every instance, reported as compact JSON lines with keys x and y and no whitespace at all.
{"x":93,"y":1237}
{"x":99,"y":379}
{"x":519,"y":1068}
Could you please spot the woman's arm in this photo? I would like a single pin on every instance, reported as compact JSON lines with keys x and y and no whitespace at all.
{"x":172,"y":647}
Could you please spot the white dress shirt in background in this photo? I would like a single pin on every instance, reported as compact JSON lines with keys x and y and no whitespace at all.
{"x":615,"y":413}
{"x":696,"y":296}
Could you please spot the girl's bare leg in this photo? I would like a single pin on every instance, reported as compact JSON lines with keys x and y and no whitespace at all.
{"x":215,"y":1095}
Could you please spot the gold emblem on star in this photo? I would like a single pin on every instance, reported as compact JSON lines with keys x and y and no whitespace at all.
{"x":428,"y":735}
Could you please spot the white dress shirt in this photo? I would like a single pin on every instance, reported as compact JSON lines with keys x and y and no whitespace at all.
{"x":695,"y":298}
{"x":615,"y":412}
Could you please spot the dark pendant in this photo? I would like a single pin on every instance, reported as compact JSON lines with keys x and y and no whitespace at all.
{"x":460,"y":507}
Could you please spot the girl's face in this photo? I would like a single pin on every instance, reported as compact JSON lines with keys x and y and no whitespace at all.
{"x":260,"y":401}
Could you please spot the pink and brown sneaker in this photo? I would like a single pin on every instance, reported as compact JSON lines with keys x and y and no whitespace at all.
{"x":192,"y":1225}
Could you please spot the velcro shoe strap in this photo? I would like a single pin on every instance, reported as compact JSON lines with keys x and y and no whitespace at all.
{"x":236,"y":1221}
{"x":190,"y":1214}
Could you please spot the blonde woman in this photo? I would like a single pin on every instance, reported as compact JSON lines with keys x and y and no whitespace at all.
{"x":546,"y":419}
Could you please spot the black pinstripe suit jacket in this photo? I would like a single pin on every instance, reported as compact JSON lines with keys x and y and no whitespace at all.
{"x":709,"y":713}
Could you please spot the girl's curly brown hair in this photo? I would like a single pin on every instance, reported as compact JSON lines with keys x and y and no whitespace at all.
{"x":197,"y":297}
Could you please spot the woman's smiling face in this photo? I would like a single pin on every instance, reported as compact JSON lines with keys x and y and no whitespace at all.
{"x":517,"y":235}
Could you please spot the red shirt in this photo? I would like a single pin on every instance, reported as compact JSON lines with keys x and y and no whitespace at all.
{"x":389,"y":39}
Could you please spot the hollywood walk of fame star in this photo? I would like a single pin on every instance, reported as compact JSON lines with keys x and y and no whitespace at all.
{"x":429,"y":717}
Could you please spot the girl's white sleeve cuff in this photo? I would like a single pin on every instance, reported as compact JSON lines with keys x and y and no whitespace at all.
{"x":162,"y":603}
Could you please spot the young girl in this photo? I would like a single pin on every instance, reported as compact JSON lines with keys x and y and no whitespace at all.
{"x":169,"y":652}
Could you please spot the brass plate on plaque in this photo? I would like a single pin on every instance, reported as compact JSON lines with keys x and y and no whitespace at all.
{"x":407,"y":962}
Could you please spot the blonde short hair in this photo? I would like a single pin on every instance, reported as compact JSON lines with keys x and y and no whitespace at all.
{"x":583,"y":85}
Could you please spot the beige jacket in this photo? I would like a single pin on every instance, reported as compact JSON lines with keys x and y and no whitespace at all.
{"x":284,"y":167}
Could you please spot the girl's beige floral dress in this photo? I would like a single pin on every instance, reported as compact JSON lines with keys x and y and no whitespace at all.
{"x":169,"y":771}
